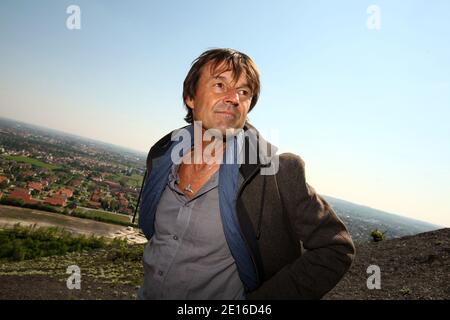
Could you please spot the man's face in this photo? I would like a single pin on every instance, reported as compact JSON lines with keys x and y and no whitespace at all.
{"x":219,"y":102}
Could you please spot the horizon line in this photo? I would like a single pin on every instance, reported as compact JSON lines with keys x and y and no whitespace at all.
{"x":74,"y":134}
{"x":144,"y":154}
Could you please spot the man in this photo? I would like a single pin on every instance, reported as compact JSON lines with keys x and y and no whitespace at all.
{"x":219,"y":228}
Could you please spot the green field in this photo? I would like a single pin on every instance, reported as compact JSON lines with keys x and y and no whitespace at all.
{"x":32,"y":161}
{"x":134,"y":180}
{"x":23,"y":243}
{"x":101,"y":216}
{"x":11,"y":215}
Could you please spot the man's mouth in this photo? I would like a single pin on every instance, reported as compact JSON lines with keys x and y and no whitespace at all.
{"x":227,"y":114}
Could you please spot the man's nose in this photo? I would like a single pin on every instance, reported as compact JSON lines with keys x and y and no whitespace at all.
{"x":232,"y":97}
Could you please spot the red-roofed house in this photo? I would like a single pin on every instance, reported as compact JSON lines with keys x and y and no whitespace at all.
{"x":112,"y":184}
{"x":96,"y":196}
{"x":45,"y":182}
{"x":52,"y":179}
{"x":35,"y":186}
{"x":65,"y":192}
{"x":3,"y":178}
{"x":123,"y":202}
{"x":28,"y":173}
{"x":56,"y":201}
{"x":75,"y":183}
{"x":22,"y":194}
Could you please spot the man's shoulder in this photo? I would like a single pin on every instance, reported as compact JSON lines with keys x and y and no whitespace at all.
{"x":159,"y":148}
{"x":291,"y":160}
{"x":165,"y":141}
{"x":162,"y":142}
{"x":291,"y":169}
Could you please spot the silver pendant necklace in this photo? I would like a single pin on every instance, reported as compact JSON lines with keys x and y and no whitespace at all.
{"x":189,"y":188}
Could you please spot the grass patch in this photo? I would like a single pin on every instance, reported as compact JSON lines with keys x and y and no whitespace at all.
{"x":32,"y":161}
{"x":38,"y":206}
{"x":114,"y":262}
{"x":102,"y":216}
{"x":134,"y":180}
{"x":97,"y":215}
{"x":24,"y":243}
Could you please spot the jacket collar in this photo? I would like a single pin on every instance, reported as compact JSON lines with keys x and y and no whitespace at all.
{"x":252,"y":144}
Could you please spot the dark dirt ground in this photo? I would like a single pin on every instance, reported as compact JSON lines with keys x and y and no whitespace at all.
{"x":102,"y":277}
{"x":43,"y":287}
{"x":413,"y":267}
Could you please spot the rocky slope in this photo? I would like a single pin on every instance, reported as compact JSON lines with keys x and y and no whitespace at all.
{"x":412,"y":267}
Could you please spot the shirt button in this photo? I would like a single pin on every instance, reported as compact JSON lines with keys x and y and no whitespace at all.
{"x":175,"y":238}
{"x":160,"y":273}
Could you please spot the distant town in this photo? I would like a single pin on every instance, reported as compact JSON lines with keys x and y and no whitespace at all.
{"x":52,"y":171}
{"x":65,"y":173}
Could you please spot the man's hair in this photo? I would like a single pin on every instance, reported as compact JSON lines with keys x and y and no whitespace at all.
{"x":233,"y":60}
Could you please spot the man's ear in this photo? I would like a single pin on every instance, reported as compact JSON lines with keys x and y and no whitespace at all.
{"x":190,"y":102}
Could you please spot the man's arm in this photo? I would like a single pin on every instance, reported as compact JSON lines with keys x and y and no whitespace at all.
{"x":329,"y":247}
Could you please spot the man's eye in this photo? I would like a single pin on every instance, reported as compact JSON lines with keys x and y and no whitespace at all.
{"x":243,"y":92}
{"x":219,"y":85}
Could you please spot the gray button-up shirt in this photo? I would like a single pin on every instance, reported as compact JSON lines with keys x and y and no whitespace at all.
{"x":188,"y":256}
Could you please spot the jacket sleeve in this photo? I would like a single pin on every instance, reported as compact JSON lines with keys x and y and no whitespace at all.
{"x":329,"y":248}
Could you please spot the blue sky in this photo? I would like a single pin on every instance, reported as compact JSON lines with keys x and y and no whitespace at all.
{"x":367,"y":110}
